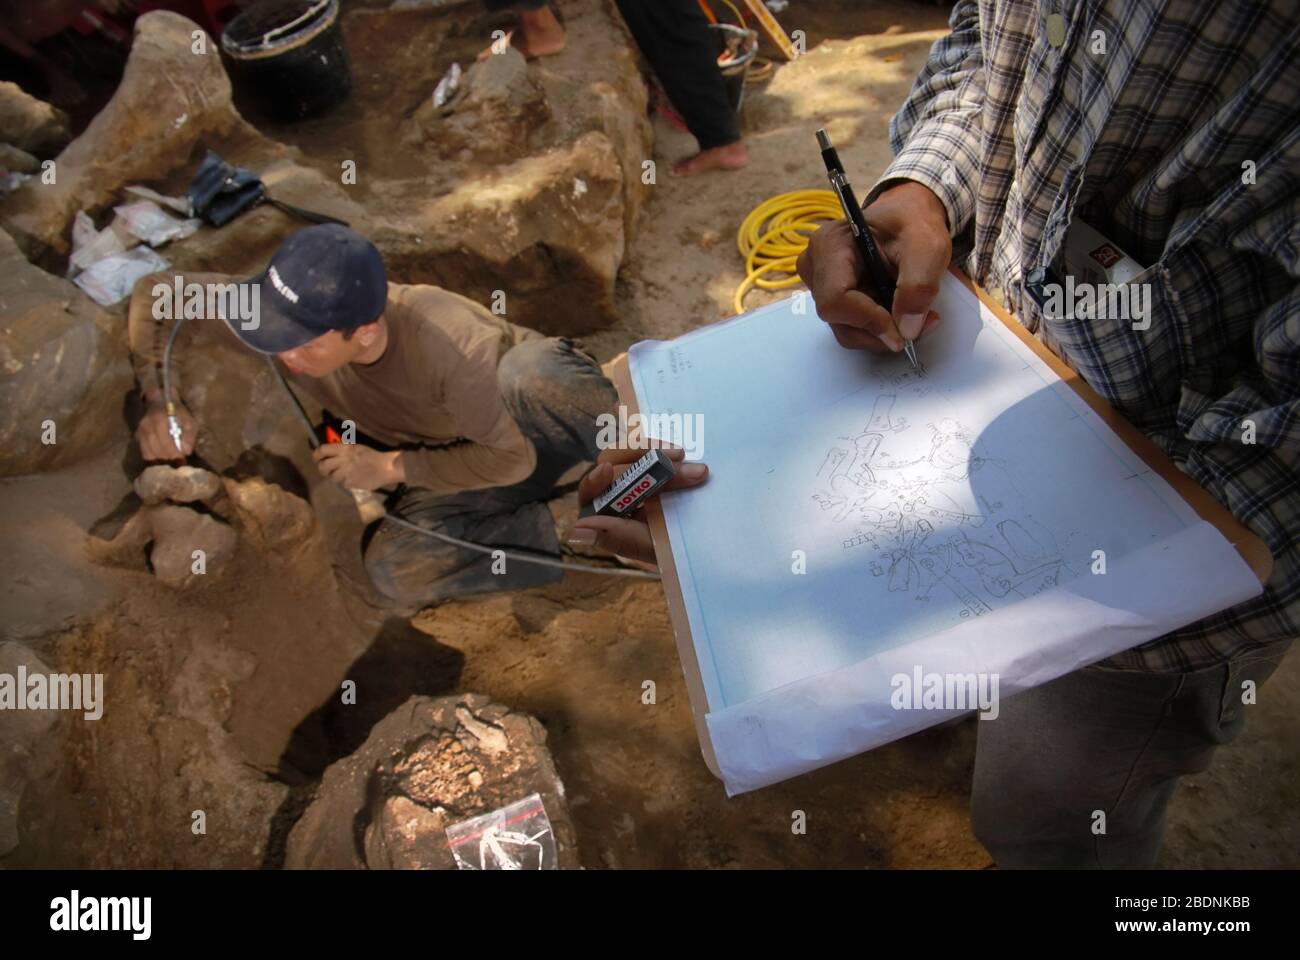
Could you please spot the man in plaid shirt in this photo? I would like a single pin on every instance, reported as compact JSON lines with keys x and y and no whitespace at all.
{"x":1173,"y":127}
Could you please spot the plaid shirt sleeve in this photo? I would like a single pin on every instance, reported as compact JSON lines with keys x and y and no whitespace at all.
{"x":936,"y":135}
{"x":1139,"y":117}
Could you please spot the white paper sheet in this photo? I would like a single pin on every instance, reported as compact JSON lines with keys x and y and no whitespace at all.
{"x":950,"y":522}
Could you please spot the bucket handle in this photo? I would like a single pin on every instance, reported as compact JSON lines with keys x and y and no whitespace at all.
{"x":307,"y":15}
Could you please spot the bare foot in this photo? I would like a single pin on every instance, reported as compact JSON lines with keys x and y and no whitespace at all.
{"x":539,"y":35}
{"x":730,"y":156}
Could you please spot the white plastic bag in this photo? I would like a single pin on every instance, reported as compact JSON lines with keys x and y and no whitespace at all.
{"x":148,"y":221}
{"x":90,"y":245}
{"x":110,"y":280}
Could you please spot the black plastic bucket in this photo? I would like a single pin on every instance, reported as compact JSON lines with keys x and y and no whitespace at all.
{"x":288,"y":56}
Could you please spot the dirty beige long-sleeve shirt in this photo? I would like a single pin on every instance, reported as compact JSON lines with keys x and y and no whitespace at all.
{"x":433,"y":392}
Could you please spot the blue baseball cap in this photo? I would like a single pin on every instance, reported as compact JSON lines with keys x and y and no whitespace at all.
{"x":322,"y":278}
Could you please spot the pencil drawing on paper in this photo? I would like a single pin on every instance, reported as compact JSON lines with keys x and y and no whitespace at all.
{"x":902,"y":494}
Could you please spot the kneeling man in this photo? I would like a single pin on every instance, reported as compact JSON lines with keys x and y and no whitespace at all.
{"x":467,"y":419}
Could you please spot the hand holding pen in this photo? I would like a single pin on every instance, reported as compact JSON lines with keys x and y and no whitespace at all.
{"x":909,"y":231}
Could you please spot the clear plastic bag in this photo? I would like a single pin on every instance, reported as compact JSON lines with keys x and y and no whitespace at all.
{"x":154,"y":225}
{"x":110,"y":280}
{"x":517,"y":837}
{"x":90,"y":245}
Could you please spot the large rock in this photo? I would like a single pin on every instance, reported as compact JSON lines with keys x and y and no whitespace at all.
{"x":31,"y":124}
{"x":128,"y":547}
{"x":177,"y":533}
{"x":428,"y":765}
{"x":169,"y":100}
{"x":64,"y":360}
{"x":160,"y":483}
{"x":496,"y":116}
{"x":602,"y":92}
{"x":22,"y":761}
{"x":122,"y":791}
{"x":163,"y":536}
{"x":16,"y":160}
{"x":274,"y":519}
{"x":512,"y":185}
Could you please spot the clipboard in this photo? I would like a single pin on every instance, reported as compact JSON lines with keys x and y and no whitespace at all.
{"x":1250,"y":547}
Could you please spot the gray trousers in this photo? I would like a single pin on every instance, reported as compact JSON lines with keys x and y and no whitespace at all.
{"x":1102,"y":740}
{"x":554,"y":391}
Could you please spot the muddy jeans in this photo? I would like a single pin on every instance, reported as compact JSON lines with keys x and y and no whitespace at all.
{"x":554,"y":391}
{"x":1102,"y":740}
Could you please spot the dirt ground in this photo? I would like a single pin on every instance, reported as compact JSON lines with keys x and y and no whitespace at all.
{"x":230,"y":689}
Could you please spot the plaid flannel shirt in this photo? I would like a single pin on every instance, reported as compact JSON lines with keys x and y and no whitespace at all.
{"x":1145,"y":119}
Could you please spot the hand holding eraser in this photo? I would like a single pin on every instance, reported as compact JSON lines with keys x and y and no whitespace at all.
{"x":638,"y":483}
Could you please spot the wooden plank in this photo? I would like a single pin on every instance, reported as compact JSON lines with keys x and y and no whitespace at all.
{"x":768,"y":26}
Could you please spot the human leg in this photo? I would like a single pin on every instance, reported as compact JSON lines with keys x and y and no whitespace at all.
{"x":1103,"y":742}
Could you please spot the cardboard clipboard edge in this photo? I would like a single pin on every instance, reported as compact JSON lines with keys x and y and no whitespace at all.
{"x":620,"y":375}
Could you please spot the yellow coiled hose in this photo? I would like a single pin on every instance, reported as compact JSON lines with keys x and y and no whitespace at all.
{"x":774,"y":234}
